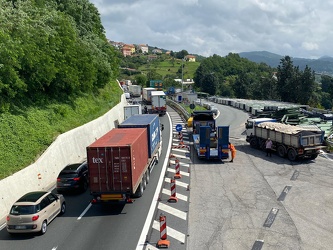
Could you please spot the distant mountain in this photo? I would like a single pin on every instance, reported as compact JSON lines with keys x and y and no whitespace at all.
{"x":323,"y":65}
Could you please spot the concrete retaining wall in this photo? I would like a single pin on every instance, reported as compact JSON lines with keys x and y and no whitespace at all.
{"x":69,"y":147}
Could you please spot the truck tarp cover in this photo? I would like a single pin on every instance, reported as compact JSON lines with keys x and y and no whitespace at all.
{"x":288,"y":129}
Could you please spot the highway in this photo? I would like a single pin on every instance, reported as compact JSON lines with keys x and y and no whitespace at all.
{"x":87,"y":227}
{"x":253,"y":203}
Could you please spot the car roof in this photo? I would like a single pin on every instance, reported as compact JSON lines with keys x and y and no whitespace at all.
{"x":73,"y":167}
{"x":32,"y":196}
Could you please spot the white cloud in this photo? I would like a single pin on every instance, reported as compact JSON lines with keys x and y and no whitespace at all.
{"x":206,"y":27}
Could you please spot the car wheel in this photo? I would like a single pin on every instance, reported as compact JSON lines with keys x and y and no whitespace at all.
{"x":63,"y":208}
{"x":44,"y":227}
{"x":84,"y":186}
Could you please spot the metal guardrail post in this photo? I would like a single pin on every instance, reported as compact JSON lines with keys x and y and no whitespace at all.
{"x":183,"y":113}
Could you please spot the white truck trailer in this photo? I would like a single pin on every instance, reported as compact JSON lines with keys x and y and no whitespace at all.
{"x":158,"y":102}
{"x":135,"y":90}
{"x":130,"y":110}
{"x":146,"y":95}
{"x":293,"y":142}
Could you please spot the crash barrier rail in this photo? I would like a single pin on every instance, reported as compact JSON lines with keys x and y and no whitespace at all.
{"x":180,"y":109}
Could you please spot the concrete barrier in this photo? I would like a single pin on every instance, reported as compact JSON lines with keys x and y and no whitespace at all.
{"x":69,"y":147}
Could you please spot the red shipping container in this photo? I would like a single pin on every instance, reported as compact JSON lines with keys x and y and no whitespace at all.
{"x":117,"y":161}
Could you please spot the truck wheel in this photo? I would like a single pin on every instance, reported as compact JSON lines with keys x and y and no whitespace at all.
{"x":144,"y":181}
{"x":139,"y":191}
{"x":281,"y":150}
{"x":253,"y":143}
{"x":147,"y":176}
{"x":292,"y":155}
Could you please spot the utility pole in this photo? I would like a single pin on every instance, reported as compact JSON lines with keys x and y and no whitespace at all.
{"x":182,"y":73}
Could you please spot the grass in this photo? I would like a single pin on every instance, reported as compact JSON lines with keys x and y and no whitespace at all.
{"x":171,"y":67}
{"x":24,"y":137}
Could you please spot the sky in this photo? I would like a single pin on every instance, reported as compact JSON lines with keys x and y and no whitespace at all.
{"x":297,"y":28}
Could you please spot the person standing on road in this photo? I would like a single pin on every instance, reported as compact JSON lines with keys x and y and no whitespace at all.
{"x":233,"y":151}
{"x":269,"y":144}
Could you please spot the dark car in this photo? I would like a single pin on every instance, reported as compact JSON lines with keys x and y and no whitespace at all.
{"x":74,"y":177}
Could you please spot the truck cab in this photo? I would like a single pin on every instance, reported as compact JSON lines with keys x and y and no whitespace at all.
{"x":250,"y":123}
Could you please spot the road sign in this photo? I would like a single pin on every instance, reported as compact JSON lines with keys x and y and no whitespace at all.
{"x":179,"y":127}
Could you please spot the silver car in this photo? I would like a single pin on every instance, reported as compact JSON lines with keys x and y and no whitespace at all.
{"x":34,"y":211}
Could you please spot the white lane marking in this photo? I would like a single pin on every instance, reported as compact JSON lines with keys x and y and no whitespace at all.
{"x":151,"y":247}
{"x":84,"y":212}
{"x":181,"y":172}
{"x":170,"y":232}
{"x":170,"y":210}
{"x":178,"y":183}
{"x":149,"y":219}
{"x":179,"y":196}
{"x":179,"y":156}
{"x":54,"y":248}
{"x":181,"y":150}
{"x":3,"y":226}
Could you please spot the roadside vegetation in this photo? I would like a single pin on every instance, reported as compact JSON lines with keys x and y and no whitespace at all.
{"x":58,"y":71}
{"x":25,"y":136}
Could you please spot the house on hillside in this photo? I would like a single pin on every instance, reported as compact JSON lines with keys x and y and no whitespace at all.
{"x":190,"y":58}
{"x":157,"y":51}
{"x":128,"y":49}
{"x":143,"y":48}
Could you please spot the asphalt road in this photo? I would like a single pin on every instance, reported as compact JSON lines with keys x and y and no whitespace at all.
{"x":255,"y":203}
{"x":260,"y":202}
{"x":87,"y":227}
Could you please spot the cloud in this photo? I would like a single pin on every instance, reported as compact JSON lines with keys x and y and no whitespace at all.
{"x":206,"y":27}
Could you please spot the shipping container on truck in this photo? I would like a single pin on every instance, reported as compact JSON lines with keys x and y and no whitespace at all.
{"x":146,"y":95}
{"x":119,"y":166}
{"x":130,"y":110}
{"x":158,"y":102}
{"x":152,"y":123}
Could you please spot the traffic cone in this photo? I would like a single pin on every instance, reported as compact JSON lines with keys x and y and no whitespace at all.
{"x":173,"y":197}
{"x":177,"y":167}
{"x":163,"y":242}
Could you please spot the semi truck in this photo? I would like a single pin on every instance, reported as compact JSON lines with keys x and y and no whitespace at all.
{"x":291,"y":141}
{"x":158,"y":102}
{"x":157,"y":84}
{"x":135,"y":90}
{"x":130,"y":110}
{"x":120,"y":162}
{"x":146,"y":95}
{"x":209,"y":141}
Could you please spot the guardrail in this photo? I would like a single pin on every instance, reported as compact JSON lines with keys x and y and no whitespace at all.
{"x":180,"y":109}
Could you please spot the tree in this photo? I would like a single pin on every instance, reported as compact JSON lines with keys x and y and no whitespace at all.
{"x":141,"y":80}
{"x":285,"y":75}
{"x":181,"y":54}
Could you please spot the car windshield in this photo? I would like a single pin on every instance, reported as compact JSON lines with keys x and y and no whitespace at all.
{"x":23,"y":209}
{"x":68,"y":175}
